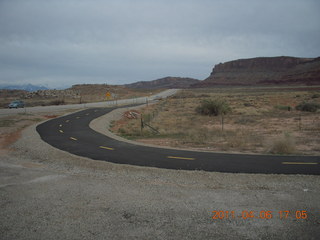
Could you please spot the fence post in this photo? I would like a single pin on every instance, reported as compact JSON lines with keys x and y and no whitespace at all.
{"x":141,"y":124}
{"x":222,"y":121}
{"x":300,"y":122}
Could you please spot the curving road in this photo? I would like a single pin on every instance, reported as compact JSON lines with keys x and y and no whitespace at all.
{"x":72,"y":133}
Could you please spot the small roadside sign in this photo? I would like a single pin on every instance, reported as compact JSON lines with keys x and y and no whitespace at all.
{"x":108,"y":95}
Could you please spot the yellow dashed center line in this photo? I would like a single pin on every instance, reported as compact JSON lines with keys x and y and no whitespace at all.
{"x":74,"y":139}
{"x":184,"y":158}
{"x":67,"y":120}
{"x":108,"y":148}
{"x":60,"y":125}
{"x":299,"y":163}
{"x":87,"y":114}
{"x":60,"y":131}
{"x":77,"y":117}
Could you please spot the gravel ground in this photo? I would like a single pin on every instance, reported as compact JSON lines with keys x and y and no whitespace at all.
{"x":46,"y":193}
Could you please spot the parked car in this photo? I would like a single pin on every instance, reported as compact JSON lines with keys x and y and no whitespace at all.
{"x":16,"y":104}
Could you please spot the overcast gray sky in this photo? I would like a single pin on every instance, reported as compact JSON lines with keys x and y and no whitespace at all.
{"x":58,"y":43}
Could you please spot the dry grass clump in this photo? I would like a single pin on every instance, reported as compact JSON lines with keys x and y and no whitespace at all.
{"x":245,"y":120}
{"x":283,"y":145}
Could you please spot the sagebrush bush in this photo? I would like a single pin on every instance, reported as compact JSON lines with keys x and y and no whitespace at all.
{"x":308,"y":107}
{"x":283,"y":145}
{"x":213,"y":107}
{"x":57,"y":102}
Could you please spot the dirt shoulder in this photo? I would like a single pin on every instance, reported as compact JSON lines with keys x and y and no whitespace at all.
{"x":50,"y":194}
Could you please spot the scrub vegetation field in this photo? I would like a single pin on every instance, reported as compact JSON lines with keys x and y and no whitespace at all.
{"x":256,"y":120}
{"x":82,"y":93}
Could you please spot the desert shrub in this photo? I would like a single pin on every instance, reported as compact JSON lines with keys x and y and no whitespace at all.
{"x":122,"y":131}
{"x":213,"y":107}
{"x":282,"y":107}
{"x":112,"y":123}
{"x":283,"y":145}
{"x":57,"y":102}
{"x":316,"y":95}
{"x":204,"y":96}
{"x":247,"y":104}
{"x":308,"y":107}
{"x":245,"y":120}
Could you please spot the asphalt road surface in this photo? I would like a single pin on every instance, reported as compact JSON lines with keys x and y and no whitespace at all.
{"x":72,"y":133}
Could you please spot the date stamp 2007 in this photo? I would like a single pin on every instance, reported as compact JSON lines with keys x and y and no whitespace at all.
{"x":247,"y":214}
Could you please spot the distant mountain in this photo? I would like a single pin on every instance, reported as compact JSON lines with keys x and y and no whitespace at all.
{"x":264,"y":71}
{"x":167,"y":82}
{"x":26,"y":87}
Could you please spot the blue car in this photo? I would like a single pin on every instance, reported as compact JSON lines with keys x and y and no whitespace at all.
{"x":16,"y":104}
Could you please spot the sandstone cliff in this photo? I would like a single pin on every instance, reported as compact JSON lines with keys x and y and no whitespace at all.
{"x":265,"y":70}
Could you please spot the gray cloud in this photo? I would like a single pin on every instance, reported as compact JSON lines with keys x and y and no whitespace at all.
{"x":121,"y":41}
